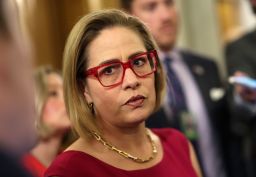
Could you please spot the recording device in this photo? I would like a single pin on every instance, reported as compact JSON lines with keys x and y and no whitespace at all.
{"x":244,"y":81}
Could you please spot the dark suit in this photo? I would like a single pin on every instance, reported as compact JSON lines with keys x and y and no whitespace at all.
{"x":241,"y":56}
{"x":10,"y":167}
{"x":206,"y":76}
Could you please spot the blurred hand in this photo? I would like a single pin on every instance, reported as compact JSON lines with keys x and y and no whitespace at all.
{"x":246,"y":93}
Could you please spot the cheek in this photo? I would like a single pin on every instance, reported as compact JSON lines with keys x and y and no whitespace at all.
{"x":106,"y":100}
{"x":99,"y":95}
{"x":153,"y":25}
{"x":51,"y":108}
{"x":152,"y":92}
{"x":55,"y":115}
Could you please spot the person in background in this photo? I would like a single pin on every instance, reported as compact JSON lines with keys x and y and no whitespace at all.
{"x":195,"y":100}
{"x":52,"y":120}
{"x":113,"y":81}
{"x":17,"y":132}
{"x":241,"y":61}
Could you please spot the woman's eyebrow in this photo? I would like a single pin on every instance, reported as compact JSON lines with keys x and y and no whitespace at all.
{"x":135,"y":54}
{"x":112,"y":60}
{"x":109,"y":61}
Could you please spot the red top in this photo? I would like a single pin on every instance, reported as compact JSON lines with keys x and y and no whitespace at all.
{"x":35,"y":167}
{"x":176,"y":161}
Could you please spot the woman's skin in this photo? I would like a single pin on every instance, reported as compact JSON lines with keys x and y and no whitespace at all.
{"x":55,"y":117}
{"x":120,"y":120}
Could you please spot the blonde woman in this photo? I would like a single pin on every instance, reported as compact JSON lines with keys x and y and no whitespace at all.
{"x":52,"y":120}
{"x":113,"y":81}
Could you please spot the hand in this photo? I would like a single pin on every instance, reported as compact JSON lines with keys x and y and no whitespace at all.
{"x":246,"y":93}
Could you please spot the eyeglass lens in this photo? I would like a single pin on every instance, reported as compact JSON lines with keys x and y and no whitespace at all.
{"x":113,"y":73}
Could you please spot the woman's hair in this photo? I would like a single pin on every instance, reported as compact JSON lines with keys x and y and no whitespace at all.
{"x":41,"y":96}
{"x":6,"y":21}
{"x":75,"y":63}
{"x":3,"y":21}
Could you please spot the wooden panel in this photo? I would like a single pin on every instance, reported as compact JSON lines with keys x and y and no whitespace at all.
{"x":49,"y":22}
{"x":228,"y":15}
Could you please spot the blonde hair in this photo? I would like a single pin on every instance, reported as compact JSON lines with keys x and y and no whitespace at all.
{"x":41,"y":96}
{"x":75,"y":63}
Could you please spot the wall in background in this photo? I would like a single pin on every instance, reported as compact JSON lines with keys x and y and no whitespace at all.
{"x":49,"y":22}
{"x":205,"y":26}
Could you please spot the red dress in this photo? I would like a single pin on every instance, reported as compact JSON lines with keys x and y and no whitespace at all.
{"x":35,"y":167}
{"x":175,"y":163}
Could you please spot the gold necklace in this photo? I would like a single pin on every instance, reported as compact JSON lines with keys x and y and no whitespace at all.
{"x":125,"y":154}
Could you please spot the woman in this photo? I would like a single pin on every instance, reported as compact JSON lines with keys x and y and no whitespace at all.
{"x":52,"y":120}
{"x":113,"y":81}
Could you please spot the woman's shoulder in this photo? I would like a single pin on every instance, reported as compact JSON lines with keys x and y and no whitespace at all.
{"x":70,"y":155}
{"x":168,"y":133}
{"x":174,"y":142}
{"x":68,"y":163}
{"x":171,"y":136}
{"x":64,"y":159}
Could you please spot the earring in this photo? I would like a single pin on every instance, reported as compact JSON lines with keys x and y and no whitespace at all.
{"x":91,"y":107}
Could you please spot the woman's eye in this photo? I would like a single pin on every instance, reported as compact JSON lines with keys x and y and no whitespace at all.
{"x":52,"y":93}
{"x":139,"y":61}
{"x":109,"y":70}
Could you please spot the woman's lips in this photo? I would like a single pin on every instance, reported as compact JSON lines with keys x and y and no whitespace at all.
{"x":136,"y":101}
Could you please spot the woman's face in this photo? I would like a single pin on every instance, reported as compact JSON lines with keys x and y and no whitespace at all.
{"x":129,"y":103}
{"x":54,"y":112}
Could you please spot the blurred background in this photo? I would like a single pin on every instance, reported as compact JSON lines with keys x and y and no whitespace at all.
{"x":206,"y":25}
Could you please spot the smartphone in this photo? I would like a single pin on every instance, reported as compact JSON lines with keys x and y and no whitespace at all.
{"x":243,"y":80}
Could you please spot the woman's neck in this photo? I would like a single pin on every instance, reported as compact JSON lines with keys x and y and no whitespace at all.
{"x":130,"y":140}
{"x":137,"y":144}
{"x":46,"y":150}
{"x":124,"y":137}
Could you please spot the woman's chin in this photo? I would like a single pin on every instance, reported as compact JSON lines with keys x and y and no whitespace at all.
{"x":138,"y":119}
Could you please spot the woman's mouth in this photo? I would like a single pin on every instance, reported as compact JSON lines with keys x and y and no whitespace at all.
{"x":135,"y":101}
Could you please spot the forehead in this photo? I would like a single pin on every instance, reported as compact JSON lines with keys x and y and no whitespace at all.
{"x":114,"y":43}
{"x":54,"y":79}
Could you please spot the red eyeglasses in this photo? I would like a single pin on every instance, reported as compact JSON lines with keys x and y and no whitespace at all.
{"x":112,"y":74}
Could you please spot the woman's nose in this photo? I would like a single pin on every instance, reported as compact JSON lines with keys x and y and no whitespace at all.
{"x":130,"y":79}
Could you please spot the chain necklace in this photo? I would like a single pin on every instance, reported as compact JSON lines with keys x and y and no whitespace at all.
{"x":125,"y":154}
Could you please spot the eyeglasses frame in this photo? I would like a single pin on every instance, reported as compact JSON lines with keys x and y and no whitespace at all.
{"x":94,"y":70}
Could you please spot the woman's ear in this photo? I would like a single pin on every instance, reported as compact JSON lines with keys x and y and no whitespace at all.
{"x":87,"y":95}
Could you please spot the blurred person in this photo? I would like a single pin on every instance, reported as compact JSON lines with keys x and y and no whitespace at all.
{"x":52,"y":120}
{"x":113,"y":81}
{"x":195,"y":103}
{"x":241,"y":61}
{"x":17,"y":132}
